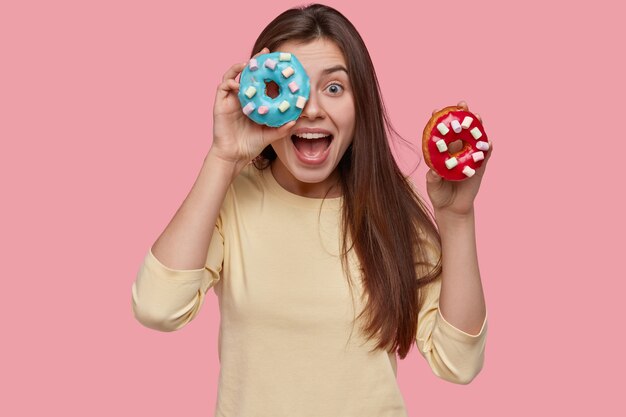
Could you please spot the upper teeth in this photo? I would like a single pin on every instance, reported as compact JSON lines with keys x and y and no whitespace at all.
{"x":311,"y":135}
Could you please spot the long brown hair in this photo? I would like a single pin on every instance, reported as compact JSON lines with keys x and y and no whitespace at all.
{"x":383,"y":219}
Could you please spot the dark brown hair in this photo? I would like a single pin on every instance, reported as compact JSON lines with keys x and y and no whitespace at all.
{"x":383,"y":219}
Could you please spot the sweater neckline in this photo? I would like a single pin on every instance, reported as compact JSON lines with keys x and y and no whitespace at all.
{"x":304,"y":202}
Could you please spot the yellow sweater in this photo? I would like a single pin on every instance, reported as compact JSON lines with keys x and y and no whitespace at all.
{"x":286,"y":344}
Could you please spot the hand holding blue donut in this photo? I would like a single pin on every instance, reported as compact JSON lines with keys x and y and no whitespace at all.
{"x":293,"y":83}
{"x":237,"y":139}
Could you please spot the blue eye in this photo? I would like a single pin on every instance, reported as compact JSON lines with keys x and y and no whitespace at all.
{"x":335,"y":88}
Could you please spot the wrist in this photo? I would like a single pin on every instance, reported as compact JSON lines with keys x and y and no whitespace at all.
{"x":454,"y":218}
{"x":455,"y":227}
{"x":230,"y":167}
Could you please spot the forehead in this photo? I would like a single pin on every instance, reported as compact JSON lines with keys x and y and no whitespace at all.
{"x":315,"y":55}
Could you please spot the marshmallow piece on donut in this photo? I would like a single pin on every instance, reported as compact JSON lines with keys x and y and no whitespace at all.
{"x":467,"y":122}
{"x":248,"y":108}
{"x":263,"y":109}
{"x":253,"y":65}
{"x":451,"y":162}
{"x":250,"y":92}
{"x":442,"y":128}
{"x":300,"y":102}
{"x":284,"y":56}
{"x":270,"y":63}
{"x":293,"y":86}
{"x":476,"y":133}
{"x":441,"y":145}
{"x":482,"y":145}
{"x":476,"y":156}
{"x":468,"y":171}
{"x":283,"y":106}
{"x":456,"y":126}
{"x":288,"y":72}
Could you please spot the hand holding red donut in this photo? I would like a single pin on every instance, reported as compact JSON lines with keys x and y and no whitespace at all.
{"x":456,"y":197}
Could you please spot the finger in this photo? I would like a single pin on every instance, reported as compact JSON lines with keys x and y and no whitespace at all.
{"x":285,"y":129}
{"x":463,"y":105}
{"x":273,"y":134}
{"x":435,"y":111}
{"x":226,"y":87}
{"x":432,"y":177}
{"x":234,"y":71}
{"x":261,"y":52}
{"x":478,"y":117}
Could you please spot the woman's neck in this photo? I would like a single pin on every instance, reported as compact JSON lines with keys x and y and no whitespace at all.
{"x":311,"y":190}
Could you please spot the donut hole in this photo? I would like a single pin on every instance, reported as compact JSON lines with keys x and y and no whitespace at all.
{"x":456,"y":146}
{"x":272,"y":89}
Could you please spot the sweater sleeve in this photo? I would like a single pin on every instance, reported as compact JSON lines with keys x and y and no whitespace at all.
{"x":453,"y":355}
{"x":166,"y":299}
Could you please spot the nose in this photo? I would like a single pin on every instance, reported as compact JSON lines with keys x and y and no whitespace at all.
{"x":313,"y":108}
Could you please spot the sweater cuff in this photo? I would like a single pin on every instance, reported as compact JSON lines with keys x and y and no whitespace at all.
{"x":173,"y":274}
{"x":457,"y":334}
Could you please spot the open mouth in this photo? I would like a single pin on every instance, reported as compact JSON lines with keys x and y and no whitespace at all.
{"x":312,"y":145}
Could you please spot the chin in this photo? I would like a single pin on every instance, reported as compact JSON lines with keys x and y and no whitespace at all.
{"x":310,"y":167}
{"x":310,"y":175}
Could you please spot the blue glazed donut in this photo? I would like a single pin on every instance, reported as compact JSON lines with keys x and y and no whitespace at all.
{"x":294,"y":88}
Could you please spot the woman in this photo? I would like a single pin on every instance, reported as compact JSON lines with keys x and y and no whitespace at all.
{"x":323,"y":257}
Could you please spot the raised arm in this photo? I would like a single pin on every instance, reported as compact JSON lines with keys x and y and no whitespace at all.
{"x":452,"y":325}
{"x":236,"y":141}
{"x":461,"y":301}
{"x":185,"y":260}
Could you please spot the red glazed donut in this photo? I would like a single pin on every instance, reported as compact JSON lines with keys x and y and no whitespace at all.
{"x":447,"y":126}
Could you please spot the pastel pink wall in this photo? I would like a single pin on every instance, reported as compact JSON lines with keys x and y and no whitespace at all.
{"x":105,"y":117}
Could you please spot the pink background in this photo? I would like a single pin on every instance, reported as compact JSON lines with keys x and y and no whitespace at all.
{"x":105,"y":118}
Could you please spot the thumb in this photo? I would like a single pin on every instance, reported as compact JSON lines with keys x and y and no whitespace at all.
{"x":432,"y":177}
{"x":272,"y":134}
{"x":282,"y":131}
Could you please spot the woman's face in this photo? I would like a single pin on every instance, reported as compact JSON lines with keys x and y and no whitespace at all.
{"x":306,"y":165}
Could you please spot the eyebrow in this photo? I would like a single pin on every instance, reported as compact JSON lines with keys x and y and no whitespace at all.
{"x":335,"y":69}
